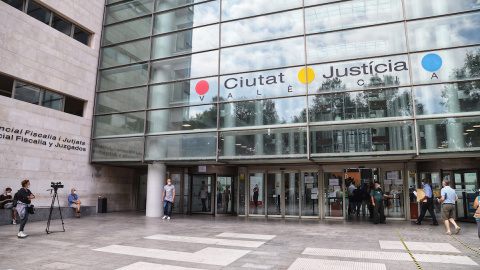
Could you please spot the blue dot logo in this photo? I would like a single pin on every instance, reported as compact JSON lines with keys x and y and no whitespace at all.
{"x":432,"y":62}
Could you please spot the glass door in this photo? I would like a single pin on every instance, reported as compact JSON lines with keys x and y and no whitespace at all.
{"x":224,"y":195}
{"x":274,"y":194}
{"x":334,"y":194}
{"x":202,"y":195}
{"x":392,"y":184}
{"x":310,"y":195}
{"x":291,"y":182}
{"x":466,"y":184}
{"x":256,"y":194}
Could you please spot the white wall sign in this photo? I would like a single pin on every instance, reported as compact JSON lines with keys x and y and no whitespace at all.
{"x":202,"y":168}
{"x":333,"y":182}
{"x":392,"y":175}
{"x":309,"y":180}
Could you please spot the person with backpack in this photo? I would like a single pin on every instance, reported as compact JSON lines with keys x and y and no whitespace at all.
{"x":23,"y":197}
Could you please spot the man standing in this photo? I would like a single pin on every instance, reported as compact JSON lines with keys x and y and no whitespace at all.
{"x":6,"y":202}
{"x":255,"y":195}
{"x":448,"y":200}
{"x":377,"y":195}
{"x":203,"y":194}
{"x":74,"y":202}
{"x":427,"y":204}
{"x":168,"y":199}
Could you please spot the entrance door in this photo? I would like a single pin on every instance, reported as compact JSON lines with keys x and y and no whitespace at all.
{"x":466,"y":186}
{"x":334,"y":194}
{"x":283,"y":194}
{"x":224,"y":195}
{"x":310,"y":195}
{"x":202,"y":195}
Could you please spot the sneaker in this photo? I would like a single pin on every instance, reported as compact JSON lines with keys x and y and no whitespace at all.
{"x":418,"y":223}
{"x":164,"y":217}
{"x":457,"y":230}
{"x":14,"y":222}
{"x":21,"y":234}
{"x":168,"y":217}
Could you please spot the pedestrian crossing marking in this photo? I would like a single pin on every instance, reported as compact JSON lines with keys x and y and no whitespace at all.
{"x":421,"y":246}
{"x":207,"y":241}
{"x":247,"y":236}
{"x":316,"y":264}
{"x":211,"y":256}
{"x":154,"y":266}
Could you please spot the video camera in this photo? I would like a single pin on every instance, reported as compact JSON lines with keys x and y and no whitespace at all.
{"x":56,"y":185}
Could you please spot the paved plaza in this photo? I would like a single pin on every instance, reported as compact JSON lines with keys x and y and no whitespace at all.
{"x":129,"y":240}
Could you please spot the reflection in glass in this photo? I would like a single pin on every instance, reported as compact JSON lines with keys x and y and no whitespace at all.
{"x":274,"y":194}
{"x":26,"y":92}
{"x":418,"y":9}
{"x":119,"y":124}
{"x":392,"y":184}
{"x":235,"y":9}
{"x":263,"y":112}
{"x":358,"y":138}
{"x":350,"y":14}
{"x":52,"y":100}
{"x":456,"y":64}
{"x":192,"y":40}
{"x":183,"y":93}
{"x":453,"y":98}
{"x":263,"y":55}
{"x":451,"y":31}
{"x":449,"y":134}
{"x":333,"y":182}
{"x":371,"y":41}
{"x":257,"y":193}
{"x":383,"y":103}
{"x":264,"y":143}
{"x":202,"y":194}
{"x":127,"y":31}
{"x":187,"y":17}
{"x":122,"y":77}
{"x":360,"y":74}
{"x":61,"y":25}
{"x":127,"y":10}
{"x":291,"y":196}
{"x":161,"y":5}
{"x":121,"y":101}
{"x":186,"y":67}
{"x":182,"y":119}
{"x":38,"y":12}
{"x":262,"y":84}
{"x":286,"y":24}
{"x":199,"y":146}
{"x":224,"y":195}
{"x":127,"y":53}
{"x":118,"y":149}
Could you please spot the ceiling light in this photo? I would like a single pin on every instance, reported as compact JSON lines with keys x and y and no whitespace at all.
{"x":243,"y":146}
{"x":187,"y":125}
{"x":470,"y":130}
{"x":476,"y":126}
{"x":440,"y":147}
{"x":238,"y":144}
{"x":466,"y":133}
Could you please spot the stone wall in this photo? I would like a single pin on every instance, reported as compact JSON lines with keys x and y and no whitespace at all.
{"x":37,"y":53}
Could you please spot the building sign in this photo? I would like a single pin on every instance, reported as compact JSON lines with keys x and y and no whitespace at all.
{"x":44,"y":139}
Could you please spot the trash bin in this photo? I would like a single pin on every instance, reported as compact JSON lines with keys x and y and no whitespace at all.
{"x":102,"y":205}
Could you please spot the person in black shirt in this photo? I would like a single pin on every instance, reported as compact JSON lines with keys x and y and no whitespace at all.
{"x":6,"y":202}
{"x":24,"y":197}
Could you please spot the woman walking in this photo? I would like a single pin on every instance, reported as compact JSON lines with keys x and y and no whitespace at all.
{"x":24,"y":197}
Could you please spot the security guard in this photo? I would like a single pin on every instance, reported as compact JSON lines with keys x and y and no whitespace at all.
{"x":377,"y":195}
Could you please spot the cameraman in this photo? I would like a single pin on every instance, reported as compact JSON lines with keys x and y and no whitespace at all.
{"x":24,"y":197}
{"x":74,"y":202}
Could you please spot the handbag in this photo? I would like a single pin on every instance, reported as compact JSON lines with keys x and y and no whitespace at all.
{"x":477,"y":214}
{"x":31,"y":209}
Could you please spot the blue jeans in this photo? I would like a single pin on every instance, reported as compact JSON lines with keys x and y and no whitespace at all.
{"x":24,"y":221}
{"x":167,"y":208}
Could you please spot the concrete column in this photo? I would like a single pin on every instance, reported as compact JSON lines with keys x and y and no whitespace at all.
{"x":258,"y":122}
{"x":454,"y":129}
{"x":156,"y":180}
{"x":230,"y":121}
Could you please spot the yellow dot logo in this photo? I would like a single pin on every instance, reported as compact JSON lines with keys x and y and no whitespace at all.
{"x":306,"y":77}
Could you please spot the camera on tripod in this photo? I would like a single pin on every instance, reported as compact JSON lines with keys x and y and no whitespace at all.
{"x":56,"y":185}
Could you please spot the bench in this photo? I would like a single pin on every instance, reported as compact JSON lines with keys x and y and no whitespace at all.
{"x":42,"y":213}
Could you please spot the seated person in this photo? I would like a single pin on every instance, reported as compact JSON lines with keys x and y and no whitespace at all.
{"x":6,"y":201}
{"x":74,"y":202}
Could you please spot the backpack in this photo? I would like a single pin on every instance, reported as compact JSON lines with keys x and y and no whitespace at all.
{"x":15,"y":200}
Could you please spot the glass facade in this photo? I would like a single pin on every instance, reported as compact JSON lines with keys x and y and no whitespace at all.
{"x":233,"y":80}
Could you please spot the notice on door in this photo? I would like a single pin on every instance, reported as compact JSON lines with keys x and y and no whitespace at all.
{"x":309,"y":180}
{"x":333,"y":182}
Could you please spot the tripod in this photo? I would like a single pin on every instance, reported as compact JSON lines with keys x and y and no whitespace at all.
{"x":55,"y":195}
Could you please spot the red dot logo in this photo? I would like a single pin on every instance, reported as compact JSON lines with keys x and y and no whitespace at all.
{"x":202,"y":87}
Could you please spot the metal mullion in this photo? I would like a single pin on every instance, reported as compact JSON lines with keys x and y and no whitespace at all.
{"x":447,"y":82}
{"x":354,"y":28}
{"x":366,"y":122}
{"x":123,"y":88}
{"x":122,"y":112}
{"x":433,"y":117}
{"x":180,"y":7}
{"x":147,"y":96}
{"x":263,"y":14}
{"x":217,"y":150}
{"x":183,"y":55}
{"x":330,"y":3}
{"x":181,"y":132}
{"x":360,"y":90}
{"x":72,"y":29}
{"x":184,"y":29}
{"x":180,"y":106}
{"x":446,"y":48}
{"x":96,"y":89}
{"x":262,"y":41}
{"x":307,"y":111}
{"x":257,"y":128}
{"x":128,"y":20}
{"x":442,"y":15}
{"x":125,"y":65}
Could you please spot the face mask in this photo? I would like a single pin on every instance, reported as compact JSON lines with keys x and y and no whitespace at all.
{"x":169,"y":183}
{"x":28,"y":187}
{"x":74,"y":192}
{"x":378,"y":186}
{"x":8,"y":193}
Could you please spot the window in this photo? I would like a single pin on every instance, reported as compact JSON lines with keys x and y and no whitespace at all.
{"x":81,"y":36}
{"x":18,"y":4}
{"x":62,"y":25}
{"x":6,"y":85}
{"x":52,"y":100}
{"x":74,"y":106}
{"x":44,"y":15}
{"x":38,"y":12}
{"x":28,"y":93}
